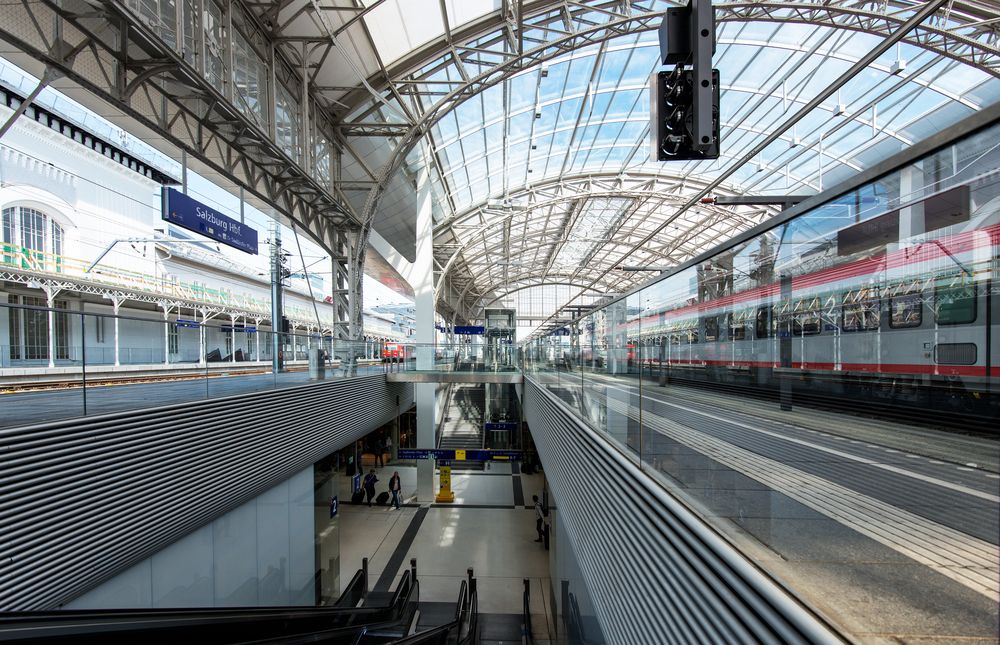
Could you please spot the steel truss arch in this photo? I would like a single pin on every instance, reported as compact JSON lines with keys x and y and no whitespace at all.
{"x":978,"y":47}
{"x":643,"y":188}
{"x":555,"y":283}
{"x":840,"y":16}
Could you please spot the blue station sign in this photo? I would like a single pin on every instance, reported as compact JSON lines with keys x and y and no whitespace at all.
{"x":191,"y":214}
{"x":465,"y":455}
{"x":501,"y":426}
{"x":469,"y":330}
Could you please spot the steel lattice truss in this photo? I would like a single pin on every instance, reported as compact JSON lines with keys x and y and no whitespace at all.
{"x":517,"y":246}
{"x":326,"y":109}
{"x":409,"y":97}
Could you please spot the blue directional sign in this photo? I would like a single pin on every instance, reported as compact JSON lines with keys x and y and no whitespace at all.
{"x":191,"y":214}
{"x":501,"y":426}
{"x":333,"y":506}
{"x":470,"y":455}
{"x":469,"y":330}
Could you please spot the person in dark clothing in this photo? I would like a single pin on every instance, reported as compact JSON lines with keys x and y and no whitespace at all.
{"x":379,"y":449}
{"x":369,"y":485}
{"x":539,"y":518}
{"x":395,"y":488}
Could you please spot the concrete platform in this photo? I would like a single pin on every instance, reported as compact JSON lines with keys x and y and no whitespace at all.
{"x":890,"y":531}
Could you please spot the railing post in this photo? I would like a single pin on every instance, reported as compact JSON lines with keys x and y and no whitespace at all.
{"x":413,"y":568}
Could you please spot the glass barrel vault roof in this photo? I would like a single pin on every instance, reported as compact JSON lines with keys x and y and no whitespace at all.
{"x":530,"y":124}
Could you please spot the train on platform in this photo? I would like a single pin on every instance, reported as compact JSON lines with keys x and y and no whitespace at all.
{"x":898,"y":308}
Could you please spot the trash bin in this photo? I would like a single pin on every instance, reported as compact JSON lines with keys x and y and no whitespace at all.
{"x":317,"y":369}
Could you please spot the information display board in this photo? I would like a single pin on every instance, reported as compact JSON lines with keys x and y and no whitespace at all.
{"x":453,"y":455}
{"x":501,"y":426}
{"x":191,"y":214}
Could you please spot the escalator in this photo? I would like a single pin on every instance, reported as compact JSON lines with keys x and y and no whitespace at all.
{"x":357,"y":617}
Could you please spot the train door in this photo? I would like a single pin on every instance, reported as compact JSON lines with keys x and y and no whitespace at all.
{"x":961,"y":315}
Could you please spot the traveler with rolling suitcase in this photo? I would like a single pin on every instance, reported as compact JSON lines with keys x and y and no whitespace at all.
{"x":369,"y":485}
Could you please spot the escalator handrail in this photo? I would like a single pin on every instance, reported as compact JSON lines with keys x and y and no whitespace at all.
{"x":353,"y":592}
{"x":39,"y":625}
{"x":404,"y":591}
{"x":463,"y":593}
{"x":472,"y":634}
{"x":526,"y":636}
{"x":434,"y":635}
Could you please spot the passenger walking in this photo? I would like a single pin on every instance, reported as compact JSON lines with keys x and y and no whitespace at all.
{"x":369,"y":485}
{"x":379,"y":448}
{"x":395,"y":487}
{"x":539,"y":518}
{"x":388,"y":446}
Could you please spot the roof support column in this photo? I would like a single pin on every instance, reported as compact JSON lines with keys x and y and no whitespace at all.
{"x":421,"y":278}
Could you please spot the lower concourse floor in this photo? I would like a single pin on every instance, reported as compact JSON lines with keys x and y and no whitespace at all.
{"x":490,"y":528}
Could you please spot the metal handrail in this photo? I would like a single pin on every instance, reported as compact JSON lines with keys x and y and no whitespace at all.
{"x":527,"y":638}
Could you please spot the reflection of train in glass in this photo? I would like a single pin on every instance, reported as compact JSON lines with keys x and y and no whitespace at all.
{"x":884,"y":299}
{"x":392,"y":353}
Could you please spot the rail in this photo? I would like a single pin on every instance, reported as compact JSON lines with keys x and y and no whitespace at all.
{"x":463,"y":629}
{"x":527,"y":636}
{"x":216,"y":625}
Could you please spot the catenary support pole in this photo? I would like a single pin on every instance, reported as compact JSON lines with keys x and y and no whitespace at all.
{"x":117,"y":303}
{"x":51,"y":300}
{"x":276,"y":309}
{"x":166,"y":335}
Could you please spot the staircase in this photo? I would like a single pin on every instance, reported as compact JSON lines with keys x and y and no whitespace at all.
{"x":462,"y":428}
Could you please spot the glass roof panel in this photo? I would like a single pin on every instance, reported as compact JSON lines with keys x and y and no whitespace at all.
{"x":586,"y":113}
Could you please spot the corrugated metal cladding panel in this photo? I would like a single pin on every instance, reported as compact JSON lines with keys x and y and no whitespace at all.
{"x":84,"y":499}
{"x":655,"y":571}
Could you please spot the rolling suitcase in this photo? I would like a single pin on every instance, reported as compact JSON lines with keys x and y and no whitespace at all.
{"x":358,"y":497}
{"x":382,"y":499}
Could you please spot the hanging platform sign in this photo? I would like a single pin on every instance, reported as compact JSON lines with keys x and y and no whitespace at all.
{"x":191,"y":214}
{"x":469,"y":330}
{"x":501,"y":426}
{"x":459,"y":455}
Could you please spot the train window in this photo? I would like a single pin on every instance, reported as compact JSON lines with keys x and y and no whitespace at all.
{"x":905,"y":311}
{"x":860,"y":310}
{"x":737,"y":327}
{"x":806,"y":324}
{"x":711,"y":329}
{"x":786,"y":324}
{"x":955,"y":304}
{"x":762,"y":326}
{"x":807,"y":321}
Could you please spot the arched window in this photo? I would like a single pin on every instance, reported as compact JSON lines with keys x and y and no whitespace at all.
{"x":31,"y":239}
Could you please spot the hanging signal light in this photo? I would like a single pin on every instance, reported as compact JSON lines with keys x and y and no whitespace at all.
{"x":684,"y":106}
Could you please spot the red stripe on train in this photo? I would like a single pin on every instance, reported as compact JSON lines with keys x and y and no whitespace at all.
{"x":889,"y":368}
{"x":932,"y":250}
